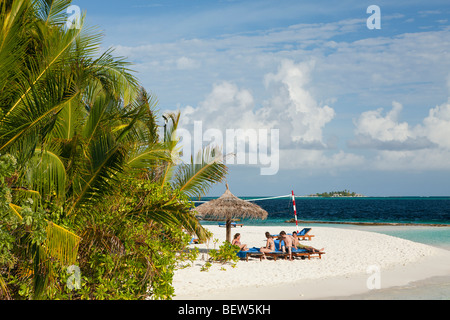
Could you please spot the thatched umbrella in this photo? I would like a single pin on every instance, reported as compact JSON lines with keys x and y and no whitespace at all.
{"x":229,"y":207}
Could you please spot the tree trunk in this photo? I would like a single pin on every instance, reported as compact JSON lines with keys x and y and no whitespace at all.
{"x":228,"y":226}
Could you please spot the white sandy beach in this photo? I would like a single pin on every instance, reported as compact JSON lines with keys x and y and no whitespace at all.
{"x":342,"y":271}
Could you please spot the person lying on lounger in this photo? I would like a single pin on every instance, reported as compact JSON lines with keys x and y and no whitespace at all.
{"x":270,"y":245}
{"x":300,"y":246}
{"x":237,"y":242}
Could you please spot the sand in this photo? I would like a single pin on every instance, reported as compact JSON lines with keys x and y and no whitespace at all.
{"x":356,"y":262}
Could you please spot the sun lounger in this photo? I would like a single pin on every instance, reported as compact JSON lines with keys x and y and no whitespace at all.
{"x":303,"y":235}
{"x":233,"y":224}
{"x":296,"y":252}
{"x":277,"y":253}
{"x":252,"y":252}
{"x":299,"y":252}
{"x":316,"y":254}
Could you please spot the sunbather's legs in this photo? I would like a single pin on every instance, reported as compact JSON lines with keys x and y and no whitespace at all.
{"x":264,"y":250}
{"x":314,"y":250}
{"x":311,"y":249}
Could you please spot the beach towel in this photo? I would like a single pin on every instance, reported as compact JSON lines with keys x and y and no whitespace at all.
{"x":298,"y":250}
{"x":243,"y":254}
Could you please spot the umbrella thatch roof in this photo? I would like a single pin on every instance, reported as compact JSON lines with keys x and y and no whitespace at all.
{"x":229,"y":207}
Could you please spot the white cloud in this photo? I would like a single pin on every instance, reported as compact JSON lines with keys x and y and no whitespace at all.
{"x":347,"y":73}
{"x":294,"y":106}
{"x":400,"y":146}
{"x":226,"y":106}
{"x":185,"y":63}
{"x":436,"y":127}
{"x":291,"y":108}
{"x":373,"y":130}
{"x":373,"y":124}
{"x":320,"y":160}
{"x":419,"y":160}
{"x":374,"y":69}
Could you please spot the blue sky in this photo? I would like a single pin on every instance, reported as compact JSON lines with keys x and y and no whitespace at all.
{"x":358,"y":109}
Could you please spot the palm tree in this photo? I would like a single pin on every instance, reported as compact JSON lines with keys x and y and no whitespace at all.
{"x":77,"y":121}
{"x":55,"y":95}
{"x":193,"y":179}
{"x":30,"y":97}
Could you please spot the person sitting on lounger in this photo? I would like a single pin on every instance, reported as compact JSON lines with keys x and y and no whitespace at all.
{"x":288,"y":243}
{"x":300,"y":246}
{"x":270,"y":245}
{"x":237,"y":242}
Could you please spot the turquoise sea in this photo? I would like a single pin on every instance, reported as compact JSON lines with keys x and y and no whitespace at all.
{"x":420,"y":219}
{"x":427,"y":219}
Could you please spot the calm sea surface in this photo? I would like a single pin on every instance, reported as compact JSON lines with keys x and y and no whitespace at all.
{"x":389,"y":210}
{"x":421,"y":213}
{"x":430,"y":210}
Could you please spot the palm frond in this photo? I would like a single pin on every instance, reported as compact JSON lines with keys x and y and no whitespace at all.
{"x":47,"y":172}
{"x":106,"y":158}
{"x":15,"y":17}
{"x":170,"y":138}
{"x":57,"y":44}
{"x":16,"y":210}
{"x":168,"y":173}
{"x":170,"y":142}
{"x":27,"y":119}
{"x":115,"y":76}
{"x":148,"y":157}
{"x":195,"y":179}
{"x":4,"y":292}
{"x":149,"y":120}
{"x":62,"y":244}
{"x":52,"y":12}
{"x":68,"y":121}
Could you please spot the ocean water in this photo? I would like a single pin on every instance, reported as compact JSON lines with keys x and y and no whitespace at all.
{"x":421,"y":213}
{"x":433,"y":210}
{"x":435,"y":288}
{"x":427,"y":221}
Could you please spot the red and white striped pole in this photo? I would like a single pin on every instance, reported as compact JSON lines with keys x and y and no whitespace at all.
{"x":295,"y":210}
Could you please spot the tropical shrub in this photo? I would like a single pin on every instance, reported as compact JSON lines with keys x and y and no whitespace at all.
{"x":90,"y":192}
{"x":226,"y":253}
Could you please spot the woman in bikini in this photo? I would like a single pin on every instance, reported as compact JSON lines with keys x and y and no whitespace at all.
{"x":237,"y":242}
{"x":270,"y":245}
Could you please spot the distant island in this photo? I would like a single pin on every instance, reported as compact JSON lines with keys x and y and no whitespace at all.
{"x":337,"y":194}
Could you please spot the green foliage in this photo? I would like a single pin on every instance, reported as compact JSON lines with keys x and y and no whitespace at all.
{"x":226,"y":253}
{"x":21,"y":235}
{"x":125,"y":253}
{"x":35,"y":222}
{"x":206,"y":266}
{"x":7,"y":168}
{"x":96,"y":186}
{"x":344,"y":193}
